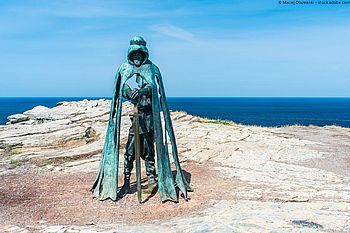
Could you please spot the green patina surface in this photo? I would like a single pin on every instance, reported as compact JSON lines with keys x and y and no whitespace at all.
{"x":106,"y":183}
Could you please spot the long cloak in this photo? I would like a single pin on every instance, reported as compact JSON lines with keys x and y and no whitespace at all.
{"x":106,"y":183}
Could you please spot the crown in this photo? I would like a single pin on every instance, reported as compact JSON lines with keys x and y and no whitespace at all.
{"x":137,"y":40}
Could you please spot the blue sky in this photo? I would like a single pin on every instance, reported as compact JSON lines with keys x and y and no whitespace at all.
{"x":203,"y":48}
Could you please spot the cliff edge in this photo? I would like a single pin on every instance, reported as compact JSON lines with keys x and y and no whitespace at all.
{"x":245,"y":178}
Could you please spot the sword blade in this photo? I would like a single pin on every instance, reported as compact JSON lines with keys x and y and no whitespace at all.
{"x":137,"y":153}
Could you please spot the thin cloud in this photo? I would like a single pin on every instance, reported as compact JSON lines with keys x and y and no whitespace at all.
{"x":173,"y":31}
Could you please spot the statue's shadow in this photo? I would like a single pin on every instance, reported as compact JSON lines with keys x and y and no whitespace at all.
{"x":133,"y":187}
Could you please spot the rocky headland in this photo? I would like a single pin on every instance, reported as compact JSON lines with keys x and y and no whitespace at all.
{"x":245,"y":178}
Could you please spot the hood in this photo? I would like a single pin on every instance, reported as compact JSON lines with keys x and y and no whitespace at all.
{"x":137,"y":44}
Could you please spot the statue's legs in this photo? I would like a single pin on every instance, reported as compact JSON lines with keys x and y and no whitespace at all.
{"x":129,"y":156}
{"x":147,"y":154}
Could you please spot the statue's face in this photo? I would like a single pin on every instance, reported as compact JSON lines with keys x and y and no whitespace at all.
{"x":137,"y":58}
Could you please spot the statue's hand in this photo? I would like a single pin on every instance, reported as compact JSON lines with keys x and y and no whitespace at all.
{"x":144,"y":91}
{"x":135,"y":96}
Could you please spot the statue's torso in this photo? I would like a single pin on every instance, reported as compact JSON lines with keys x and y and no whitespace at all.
{"x":145,"y":77}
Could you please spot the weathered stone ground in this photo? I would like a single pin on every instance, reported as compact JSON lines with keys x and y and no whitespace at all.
{"x":246,"y":178}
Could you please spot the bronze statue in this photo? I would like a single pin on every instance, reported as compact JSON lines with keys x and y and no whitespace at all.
{"x":146,"y":131}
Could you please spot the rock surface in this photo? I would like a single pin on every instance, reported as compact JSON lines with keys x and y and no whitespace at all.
{"x":16,"y":118}
{"x":246,"y":178}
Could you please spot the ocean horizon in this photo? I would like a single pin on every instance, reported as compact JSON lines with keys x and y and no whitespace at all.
{"x":262,"y":111}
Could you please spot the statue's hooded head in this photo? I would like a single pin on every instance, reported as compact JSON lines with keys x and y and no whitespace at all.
{"x":138,"y":52}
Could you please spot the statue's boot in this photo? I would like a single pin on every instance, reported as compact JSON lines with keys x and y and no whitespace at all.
{"x":125,"y":188}
{"x":152,"y":184}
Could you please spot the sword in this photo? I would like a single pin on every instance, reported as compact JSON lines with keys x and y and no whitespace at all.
{"x":137,"y":152}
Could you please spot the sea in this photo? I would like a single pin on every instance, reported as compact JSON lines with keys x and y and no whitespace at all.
{"x":262,"y":111}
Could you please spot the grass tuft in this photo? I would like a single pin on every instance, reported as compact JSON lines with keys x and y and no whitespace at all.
{"x":220,"y":122}
{"x":15,"y":162}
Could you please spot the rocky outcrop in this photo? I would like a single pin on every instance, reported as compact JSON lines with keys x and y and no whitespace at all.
{"x":72,"y":129}
{"x":16,"y":118}
{"x":285,"y":179}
